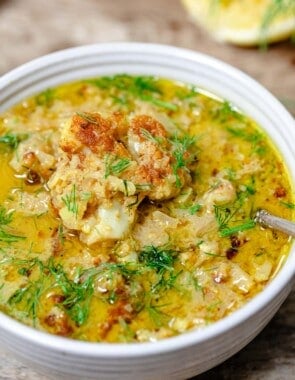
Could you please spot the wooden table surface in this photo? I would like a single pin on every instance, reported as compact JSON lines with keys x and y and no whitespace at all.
{"x":32,"y":28}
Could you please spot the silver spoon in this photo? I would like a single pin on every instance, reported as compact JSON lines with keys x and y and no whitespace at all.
{"x":266,"y":219}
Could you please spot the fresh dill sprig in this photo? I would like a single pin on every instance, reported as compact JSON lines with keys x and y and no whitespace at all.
{"x":70,"y":201}
{"x":147,"y":134}
{"x":192,"y":209}
{"x":9,"y":238}
{"x":77,"y":294}
{"x":108,"y":270}
{"x":227,"y":231}
{"x":158,"y":258}
{"x":226,"y":111}
{"x":255,"y":138}
{"x":289,"y":205}
{"x":158,"y":317}
{"x":5,"y":216}
{"x":30,"y":296}
{"x":115,"y":165}
{"x":213,"y":254}
{"x":160,"y":103}
{"x":181,"y":154}
{"x":5,"y":219}
{"x":12,"y":140}
{"x":88,"y":117}
{"x":224,"y":214}
{"x":45,"y":98}
{"x":145,"y":88}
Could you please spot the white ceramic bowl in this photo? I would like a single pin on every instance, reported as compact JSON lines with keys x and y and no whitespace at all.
{"x":191,"y":353}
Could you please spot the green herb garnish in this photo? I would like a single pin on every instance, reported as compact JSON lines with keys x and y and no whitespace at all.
{"x":157,"y":315}
{"x":227,"y":112}
{"x":224,"y":215}
{"x":255,"y":138}
{"x":227,"y":231}
{"x":150,"y":137}
{"x":192,"y":208}
{"x":12,"y":140}
{"x":115,"y":165}
{"x":140,"y":87}
{"x":5,"y":219}
{"x":182,"y":157}
{"x":45,"y":98}
{"x":288,"y":205}
{"x":70,"y":201}
{"x":157,"y":258}
{"x":77,"y":293}
{"x":87,"y":117}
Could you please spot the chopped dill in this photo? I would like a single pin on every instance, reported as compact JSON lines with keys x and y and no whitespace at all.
{"x":226,"y":111}
{"x":5,"y":219}
{"x":70,"y":201}
{"x":9,"y":238}
{"x":187,"y":93}
{"x":224,"y":214}
{"x":256,"y":139}
{"x":29,"y":295}
{"x":182,"y":157}
{"x":167,"y":281}
{"x":214,"y":254}
{"x":145,"y":88}
{"x":157,"y":316}
{"x":289,"y":205}
{"x":12,"y":140}
{"x":5,"y":216}
{"x":45,"y":98}
{"x":160,"y":103}
{"x":241,"y":133}
{"x":77,"y":294}
{"x":192,"y":209}
{"x":158,"y":258}
{"x":87,"y":117}
{"x":227,"y":231}
{"x":115,"y":165}
{"x":150,"y":137}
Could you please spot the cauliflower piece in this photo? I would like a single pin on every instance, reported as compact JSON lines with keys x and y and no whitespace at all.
{"x":36,"y":153}
{"x":29,"y":204}
{"x":149,"y":144}
{"x":240,"y":279}
{"x":222,"y":193}
{"x":106,"y":168}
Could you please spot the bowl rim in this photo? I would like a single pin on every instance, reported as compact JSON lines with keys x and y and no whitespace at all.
{"x":281,"y":282}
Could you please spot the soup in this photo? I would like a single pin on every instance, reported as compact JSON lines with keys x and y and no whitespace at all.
{"x":127,"y":206}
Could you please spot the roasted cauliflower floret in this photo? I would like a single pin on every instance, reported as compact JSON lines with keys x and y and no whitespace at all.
{"x":36,"y":154}
{"x":156,"y":155}
{"x":106,"y":168}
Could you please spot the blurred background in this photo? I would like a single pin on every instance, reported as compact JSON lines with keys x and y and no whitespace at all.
{"x":30,"y":28}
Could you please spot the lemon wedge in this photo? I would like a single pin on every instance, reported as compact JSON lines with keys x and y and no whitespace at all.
{"x":245,"y":22}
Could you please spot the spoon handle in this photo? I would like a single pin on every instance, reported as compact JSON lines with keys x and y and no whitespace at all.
{"x":266,"y":219}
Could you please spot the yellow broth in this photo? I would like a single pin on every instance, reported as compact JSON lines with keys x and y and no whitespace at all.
{"x":186,"y":262}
